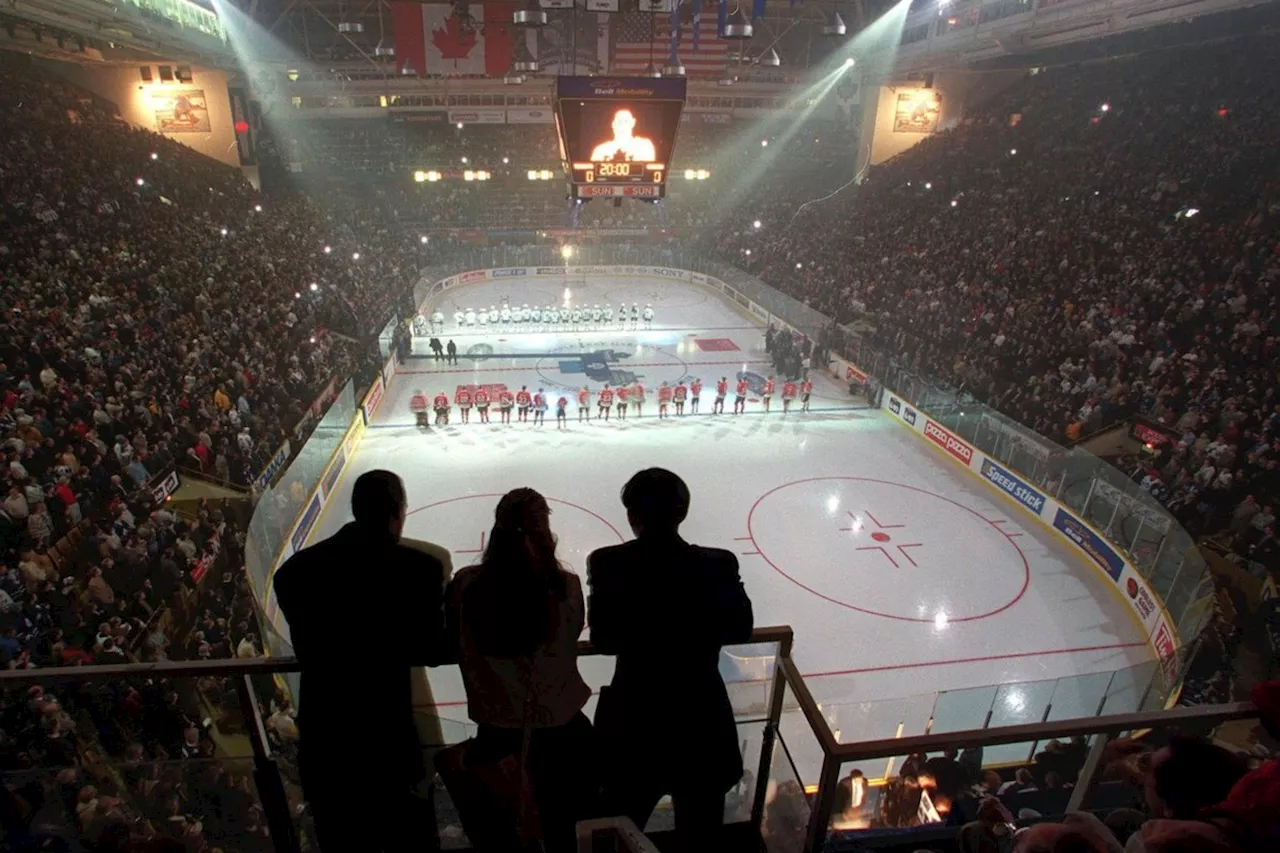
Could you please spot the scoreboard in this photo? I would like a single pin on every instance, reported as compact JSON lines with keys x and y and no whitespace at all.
{"x":617,"y":134}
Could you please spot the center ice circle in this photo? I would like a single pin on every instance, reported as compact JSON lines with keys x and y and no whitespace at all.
{"x":888,"y":549}
{"x":462,"y":525}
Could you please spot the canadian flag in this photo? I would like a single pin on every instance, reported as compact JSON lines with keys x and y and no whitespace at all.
{"x":431,"y":39}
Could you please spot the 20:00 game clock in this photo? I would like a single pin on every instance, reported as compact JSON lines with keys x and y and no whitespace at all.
{"x":617,"y":134}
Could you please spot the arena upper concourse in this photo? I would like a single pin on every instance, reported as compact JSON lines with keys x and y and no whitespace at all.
{"x":993,"y":284}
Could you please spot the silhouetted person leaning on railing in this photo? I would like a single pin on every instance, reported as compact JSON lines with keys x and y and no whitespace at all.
{"x":665,"y":608}
{"x":516,"y":619}
{"x":359,"y":755}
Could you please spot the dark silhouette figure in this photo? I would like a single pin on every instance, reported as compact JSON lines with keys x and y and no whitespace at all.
{"x":452,"y":349}
{"x":665,"y":608}
{"x":437,"y":348}
{"x":359,"y":756}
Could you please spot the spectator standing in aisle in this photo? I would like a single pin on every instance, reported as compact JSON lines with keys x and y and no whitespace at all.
{"x":667,"y":711}
{"x":360,"y":779}
{"x":515,"y":620}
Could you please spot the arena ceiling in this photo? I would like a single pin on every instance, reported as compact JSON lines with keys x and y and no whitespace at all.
{"x":346,"y":34}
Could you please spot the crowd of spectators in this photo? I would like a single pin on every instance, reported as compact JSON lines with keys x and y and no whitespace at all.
{"x":158,"y":315}
{"x":1092,"y":243}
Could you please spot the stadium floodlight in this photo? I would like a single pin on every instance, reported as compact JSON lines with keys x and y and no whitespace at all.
{"x":314,"y":287}
{"x":355,"y":256}
{"x":736,"y":26}
{"x":297,"y":295}
{"x":257,"y":208}
{"x":464,"y":159}
{"x":459,"y":125}
{"x":155,"y":156}
{"x":423,"y":239}
{"x":139,"y":181}
{"x":755,"y":224}
{"x":529,"y":16}
{"x":746,"y":252}
{"x":834,"y":26}
{"x":224,"y":232}
{"x":566,"y":252}
{"x":799,"y":265}
{"x":328,"y":249}
{"x":954,"y":202}
{"x":769,"y":59}
{"x":928,"y":185}
{"x":849,"y":62}
{"x":506,"y":160}
{"x":764,"y":143}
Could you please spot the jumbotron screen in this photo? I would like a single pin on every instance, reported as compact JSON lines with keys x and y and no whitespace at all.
{"x":617,"y":134}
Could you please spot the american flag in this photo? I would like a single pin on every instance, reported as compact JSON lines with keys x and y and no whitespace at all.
{"x":637,"y":36}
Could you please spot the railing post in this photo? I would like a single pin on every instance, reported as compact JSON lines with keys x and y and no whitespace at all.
{"x":776,"y":700}
{"x":266,"y":773}
{"x":823,"y":804}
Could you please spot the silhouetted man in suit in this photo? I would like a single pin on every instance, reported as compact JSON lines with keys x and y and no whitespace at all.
{"x":665,"y":608}
{"x":362,"y":609}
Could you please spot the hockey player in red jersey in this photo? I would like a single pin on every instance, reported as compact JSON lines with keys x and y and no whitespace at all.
{"x":506,"y":402}
{"x":722,"y":389}
{"x":788,"y":394}
{"x":539,"y":407}
{"x":562,"y":419}
{"x":584,"y":404}
{"x":418,"y":405}
{"x":664,"y":400}
{"x":637,"y":398}
{"x":523,"y":400}
{"x":463,"y":400}
{"x":678,"y":395}
{"x":624,"y":396}
{"x":605,"y":403}
{"x":740,"y":396}
{"x":482,"y":404}
{"x":767,"y":394}
{"x":441,"y":405}
{"x":806,"y":388}
{"x":695,"y":392}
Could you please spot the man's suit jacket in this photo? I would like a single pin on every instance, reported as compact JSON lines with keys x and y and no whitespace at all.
{"x":362,"y":610}
{"x":665,"y":608}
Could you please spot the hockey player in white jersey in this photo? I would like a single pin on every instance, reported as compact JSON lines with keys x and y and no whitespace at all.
{"x":575,"y":316}
{"x":608,"y":314}
{"x":622,"y":314}
{"x":595,"y":314}
{"x":459,"y":318}
{"x":535,"y":314}
{"x":437,"y":320}
{"x":505,"y":314}
{"x":483,"y":317}
{"x":635,"y":314}
{"x":493,"y":315}
{"x":419,"y":325}
{"x":525,"y":314}
{"x":648,"y":316}
{"x":552,"y":316}
{"x":471,"y":317}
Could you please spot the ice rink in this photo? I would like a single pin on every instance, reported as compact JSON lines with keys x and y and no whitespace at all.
{"x":901,"y":574}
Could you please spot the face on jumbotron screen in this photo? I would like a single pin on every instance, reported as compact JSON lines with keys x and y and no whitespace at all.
{"x":611,"y":141}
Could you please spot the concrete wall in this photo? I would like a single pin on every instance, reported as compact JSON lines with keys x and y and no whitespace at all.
{"x":150,"y":104}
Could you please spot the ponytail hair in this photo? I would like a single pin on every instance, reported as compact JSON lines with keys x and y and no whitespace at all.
{"x":514,"y":604}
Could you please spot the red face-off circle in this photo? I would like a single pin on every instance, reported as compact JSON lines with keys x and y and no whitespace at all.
{"x":889,"y":549}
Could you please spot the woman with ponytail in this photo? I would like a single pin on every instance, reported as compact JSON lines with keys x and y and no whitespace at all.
{"x":516,"y":619}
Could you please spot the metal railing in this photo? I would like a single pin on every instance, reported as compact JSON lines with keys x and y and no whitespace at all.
{"x":788,"y":699}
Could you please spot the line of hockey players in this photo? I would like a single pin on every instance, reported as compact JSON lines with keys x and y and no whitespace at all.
{"x":608,"y":399}
{"x":543,"y":318}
